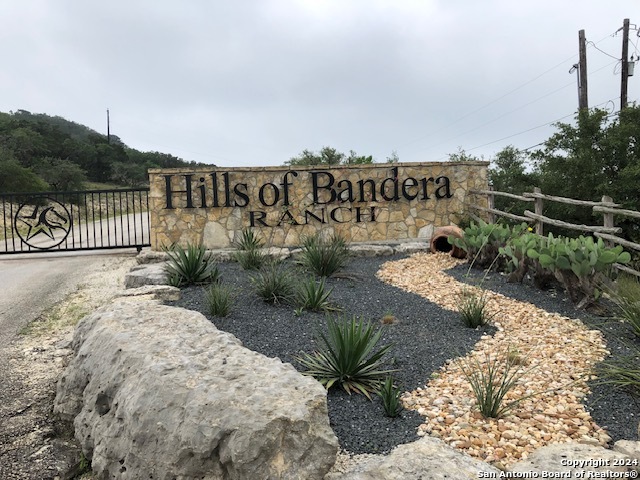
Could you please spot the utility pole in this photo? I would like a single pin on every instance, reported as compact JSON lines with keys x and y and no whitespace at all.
{"x":625,"y":64}
{"x":583,"y":99}
{"x":108,"y":129}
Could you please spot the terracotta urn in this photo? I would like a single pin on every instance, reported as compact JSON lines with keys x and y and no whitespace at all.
{"x":439,"y":242}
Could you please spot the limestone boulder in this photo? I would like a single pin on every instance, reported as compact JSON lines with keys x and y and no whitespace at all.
{"x":158,"y":392}
{"x":571,"y":458}
{"x":149,"y":274}
{"x":425,"y":459}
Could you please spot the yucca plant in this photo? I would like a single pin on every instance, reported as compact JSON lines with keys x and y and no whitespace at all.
{"x":350,"y":356}
{"x":313,"y":295}
{"x":390,"y":396}
{"x":491,"y":381}
{"x":190,"y":266}
{"x":473,"y":308}
{"x":324,"y":257}
{"x":248,"y":240}
{"x":274,"y":283}
{"x":251,"y":259}
{"x":219,"y":299}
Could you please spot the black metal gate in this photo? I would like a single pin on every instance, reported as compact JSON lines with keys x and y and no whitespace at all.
{"x":86,"y":220}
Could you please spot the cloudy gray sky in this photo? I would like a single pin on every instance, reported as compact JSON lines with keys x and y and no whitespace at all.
{"x":254,"y":82}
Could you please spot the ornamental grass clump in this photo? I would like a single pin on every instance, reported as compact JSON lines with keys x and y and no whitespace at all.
{"x":491,"y":380}
{"x":349,"y":356}
{"x":390,"y":396}
{"x":274,"y":283}
{"x":190,"y":266}
{"x":626,"y":297}
{"x":248,"y":240}
{"x":219,"y":299}
{"x":324,"y":257}
{"x":622,"y":372}
{"x":473,"y":308}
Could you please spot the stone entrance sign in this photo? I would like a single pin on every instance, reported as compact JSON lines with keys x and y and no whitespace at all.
{"x":361,"y":203}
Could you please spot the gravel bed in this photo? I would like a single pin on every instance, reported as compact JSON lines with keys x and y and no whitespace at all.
{"x":613,"y":409}
{"x":424,"y":337}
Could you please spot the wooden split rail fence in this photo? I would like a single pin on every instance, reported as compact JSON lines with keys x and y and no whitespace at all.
{"x":607,"y":231}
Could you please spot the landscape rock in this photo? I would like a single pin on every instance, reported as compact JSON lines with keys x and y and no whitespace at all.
{"x":165,"y":293}
{"x":150,"y":256}
{"x":629,"y":448}
{"x":370,"y":250}
{"x":158,"y":392}
{"x":573,"y":457}
{"x":412,"y":247}
{"x":424,"y":459}
{"x":152,"y":274}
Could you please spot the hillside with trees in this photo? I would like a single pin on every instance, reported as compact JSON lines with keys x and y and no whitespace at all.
{"x":39,"y":152}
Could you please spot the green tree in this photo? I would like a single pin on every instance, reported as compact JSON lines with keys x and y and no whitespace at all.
{"x":509,"y":173}
{"x":61,"y":175}
{"x":15,"y":178}
{"x":597,"y":156}
{"x":462,"y":156}
{"x":328,"y":156}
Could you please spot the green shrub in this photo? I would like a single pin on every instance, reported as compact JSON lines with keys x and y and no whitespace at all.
{"x":190,"y":266}
{"x":324,"y":257}
{"x":580,"y":264}
{"x":473,"y":308}
{"x":274,"y":283}
{"x":219,"y":299}
{"x":350,"y":356}
{"x":251,"y":259}
{"x":390,"y":396}
{"x":491,"y":380}
{"x":313,"y":295}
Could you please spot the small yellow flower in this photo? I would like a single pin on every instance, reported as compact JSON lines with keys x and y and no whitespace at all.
{"x":530,"y":229}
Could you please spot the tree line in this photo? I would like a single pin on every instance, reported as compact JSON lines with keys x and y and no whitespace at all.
{"x":39,"y":152}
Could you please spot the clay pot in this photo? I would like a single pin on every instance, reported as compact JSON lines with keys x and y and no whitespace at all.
{"x":439,"y":242}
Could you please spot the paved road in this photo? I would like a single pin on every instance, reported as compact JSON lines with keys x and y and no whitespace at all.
{"x":30,"y":284}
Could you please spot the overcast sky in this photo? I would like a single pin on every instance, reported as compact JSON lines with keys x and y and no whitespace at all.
{"x":254,"y":82}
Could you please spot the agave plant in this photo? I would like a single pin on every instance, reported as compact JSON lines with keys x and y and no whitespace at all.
{"x":350,"y":357}
{"x":324,"y":257}
{"x":190,"y":266}
{"x":390,"y":395}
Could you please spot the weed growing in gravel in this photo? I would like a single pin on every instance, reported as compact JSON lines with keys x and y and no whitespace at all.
{"x":324,"y":257}
{"x":190,"y":266}
{"x":388,"y":318}
{"x":491,"y":380}
{"x":473,"y":308}
{"x":274,"y":283}
{"x":313,"y":295}
{"x":350,"y":356}
{"x":219,"y":299}
{"x":390,"y":396}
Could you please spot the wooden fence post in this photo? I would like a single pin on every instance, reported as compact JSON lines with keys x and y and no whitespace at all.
{"x":491,"y":201}
{"x":608,"y":219}
{"x":538,"y":211}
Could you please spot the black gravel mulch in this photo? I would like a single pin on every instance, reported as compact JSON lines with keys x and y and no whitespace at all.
{"x":424,"y":337}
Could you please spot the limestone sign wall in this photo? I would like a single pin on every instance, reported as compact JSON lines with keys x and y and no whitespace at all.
{"x":362,"y":203}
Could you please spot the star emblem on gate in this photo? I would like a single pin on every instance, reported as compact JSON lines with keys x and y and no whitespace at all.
{"x":43,"y":226}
